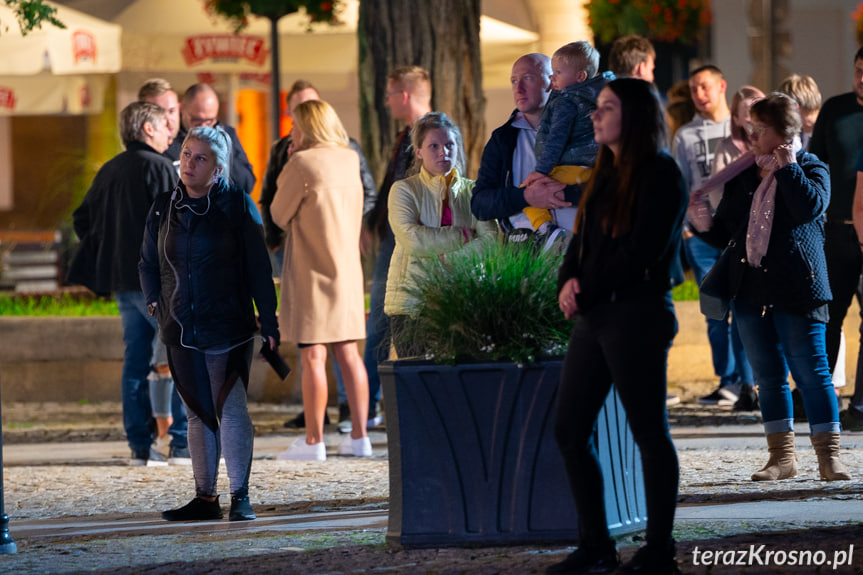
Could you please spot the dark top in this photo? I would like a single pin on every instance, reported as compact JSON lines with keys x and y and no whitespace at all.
{"x":837,"y":139}
{"x":793,"y":273}
{"x":110,"y":220}
{"x":638,"y":262}
{"x":377,"y":219}
{"x":495,"y":196}
{"x":241,"y":169}
{"x":275,"y":236}
{"x":565,"y":135}
{"x":204,"y":261}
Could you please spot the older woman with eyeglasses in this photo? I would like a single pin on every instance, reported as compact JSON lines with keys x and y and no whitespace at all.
{"x":771,"y":223}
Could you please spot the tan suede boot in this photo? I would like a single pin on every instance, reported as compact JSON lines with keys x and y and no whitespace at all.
{"x":783,"y":461}
{"x":826,"y":446}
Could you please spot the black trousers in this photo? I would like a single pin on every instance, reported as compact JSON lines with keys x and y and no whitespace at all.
{"x":627,"y":343}
{"x":844,"y":264}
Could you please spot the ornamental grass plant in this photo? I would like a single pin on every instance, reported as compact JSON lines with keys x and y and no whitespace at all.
{"x":496,"y":303}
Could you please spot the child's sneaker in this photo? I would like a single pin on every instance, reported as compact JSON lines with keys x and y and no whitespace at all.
{"x":552,"y":240}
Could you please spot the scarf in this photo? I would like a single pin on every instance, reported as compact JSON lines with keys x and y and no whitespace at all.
{"x":763,"y":200}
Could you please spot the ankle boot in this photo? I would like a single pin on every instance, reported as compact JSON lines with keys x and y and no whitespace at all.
{"x":826,"y":446}
{"x":782,"y":463}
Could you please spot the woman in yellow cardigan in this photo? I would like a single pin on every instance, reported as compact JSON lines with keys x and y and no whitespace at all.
{"x":430,"y":215}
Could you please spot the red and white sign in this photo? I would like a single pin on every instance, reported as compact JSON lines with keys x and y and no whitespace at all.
{"x":7,"y":98}
{"x":219,"y":47}
{"x":83,"y":46}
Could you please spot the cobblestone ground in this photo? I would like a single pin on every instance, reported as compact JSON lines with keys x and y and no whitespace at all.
{"x":118,"y":492}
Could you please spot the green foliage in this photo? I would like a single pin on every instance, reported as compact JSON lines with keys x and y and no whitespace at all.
{"x":30,"y":15}
{"x":687,"y":291}
{"x":238,"y":11}
{"x":495,"y":303}
{"x":662,"y":20}
{"x":12,"y":304}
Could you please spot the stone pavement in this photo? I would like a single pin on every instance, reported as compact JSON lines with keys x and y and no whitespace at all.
{"x":75,"y":506}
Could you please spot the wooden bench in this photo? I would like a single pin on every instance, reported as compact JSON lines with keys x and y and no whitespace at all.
{"x":30,"y":260}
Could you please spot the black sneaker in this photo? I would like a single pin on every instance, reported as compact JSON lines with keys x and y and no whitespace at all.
{"x":851,"y":419}
{"x":147,"y":458}
{"x":299,"y":422}
{"x":721,"y":396}
{"x":652,"y":560}
{"x":344,"y":423}
{"x":588,"y":560}
{"x":797,"y":405}
{"x":748,"y":399}
{"x":196,"y":510}
{"x":241,"y":509}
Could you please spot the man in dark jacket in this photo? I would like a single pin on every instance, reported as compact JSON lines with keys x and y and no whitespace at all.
{"x":508,"y":156}
{"x":201,"y":108}
{"x":110,"y":223}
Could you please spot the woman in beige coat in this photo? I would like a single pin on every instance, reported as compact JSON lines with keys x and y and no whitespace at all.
{"x":319,"y":204}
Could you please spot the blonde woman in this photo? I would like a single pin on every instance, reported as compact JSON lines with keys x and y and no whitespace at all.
{"x":319,"y":204}
{"x":430,"y":215}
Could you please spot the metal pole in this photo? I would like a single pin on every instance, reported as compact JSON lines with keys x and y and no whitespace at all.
{"x":7,"y":546}
{"x":275,"y":89}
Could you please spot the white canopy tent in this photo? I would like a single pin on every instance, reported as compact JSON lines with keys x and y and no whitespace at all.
{"x":192,"y":45}
{"x":56,"y":70}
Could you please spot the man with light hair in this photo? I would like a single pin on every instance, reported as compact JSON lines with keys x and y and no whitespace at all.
{"x":632,"y":56}
{"x":110,"y":223}
{"x":408,"y":98}
{"x":201,"y":108}
{"x":509,"y":157}
{"x":159,"y":92}
{"x":694,"y":147}
{"x":803,"y":90}
{"x":168,"y":410}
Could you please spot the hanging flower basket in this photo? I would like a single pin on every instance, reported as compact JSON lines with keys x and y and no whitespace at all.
{"x":238,"y":11}
{"x":857,"y":16}
{"x":680,"y":21}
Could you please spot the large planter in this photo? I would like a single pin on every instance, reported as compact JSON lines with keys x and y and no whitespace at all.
{"x":473,"y":458}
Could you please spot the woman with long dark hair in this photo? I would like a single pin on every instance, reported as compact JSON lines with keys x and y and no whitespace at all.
{"x":615,"y":282}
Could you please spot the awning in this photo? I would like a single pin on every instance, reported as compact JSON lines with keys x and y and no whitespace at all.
{"x":54,"y":70}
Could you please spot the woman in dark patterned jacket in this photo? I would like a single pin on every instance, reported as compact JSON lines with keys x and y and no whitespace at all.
{"x":771,"y":223}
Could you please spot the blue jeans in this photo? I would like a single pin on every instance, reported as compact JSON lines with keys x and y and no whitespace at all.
{"x":139,"y":330}
{"x":777,"y":342}
{"x":378,"y":339}
{"x":729,"y":357}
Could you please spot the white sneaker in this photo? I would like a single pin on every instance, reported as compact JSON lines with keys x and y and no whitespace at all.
{"x":302,"y":451}
{"x":361,"y":447}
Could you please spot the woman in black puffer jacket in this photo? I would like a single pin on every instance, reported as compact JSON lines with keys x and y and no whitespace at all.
{"x":203,"y":264}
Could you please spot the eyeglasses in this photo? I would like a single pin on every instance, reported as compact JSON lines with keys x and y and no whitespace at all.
{"x":759,"y":129}
{"x":198,"y":121}
{"x":393,"y":93}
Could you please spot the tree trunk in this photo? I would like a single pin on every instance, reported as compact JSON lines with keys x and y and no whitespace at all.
{"x":442,"y":37}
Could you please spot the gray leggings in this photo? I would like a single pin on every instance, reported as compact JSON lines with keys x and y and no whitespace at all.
{"x":234,"y":436}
